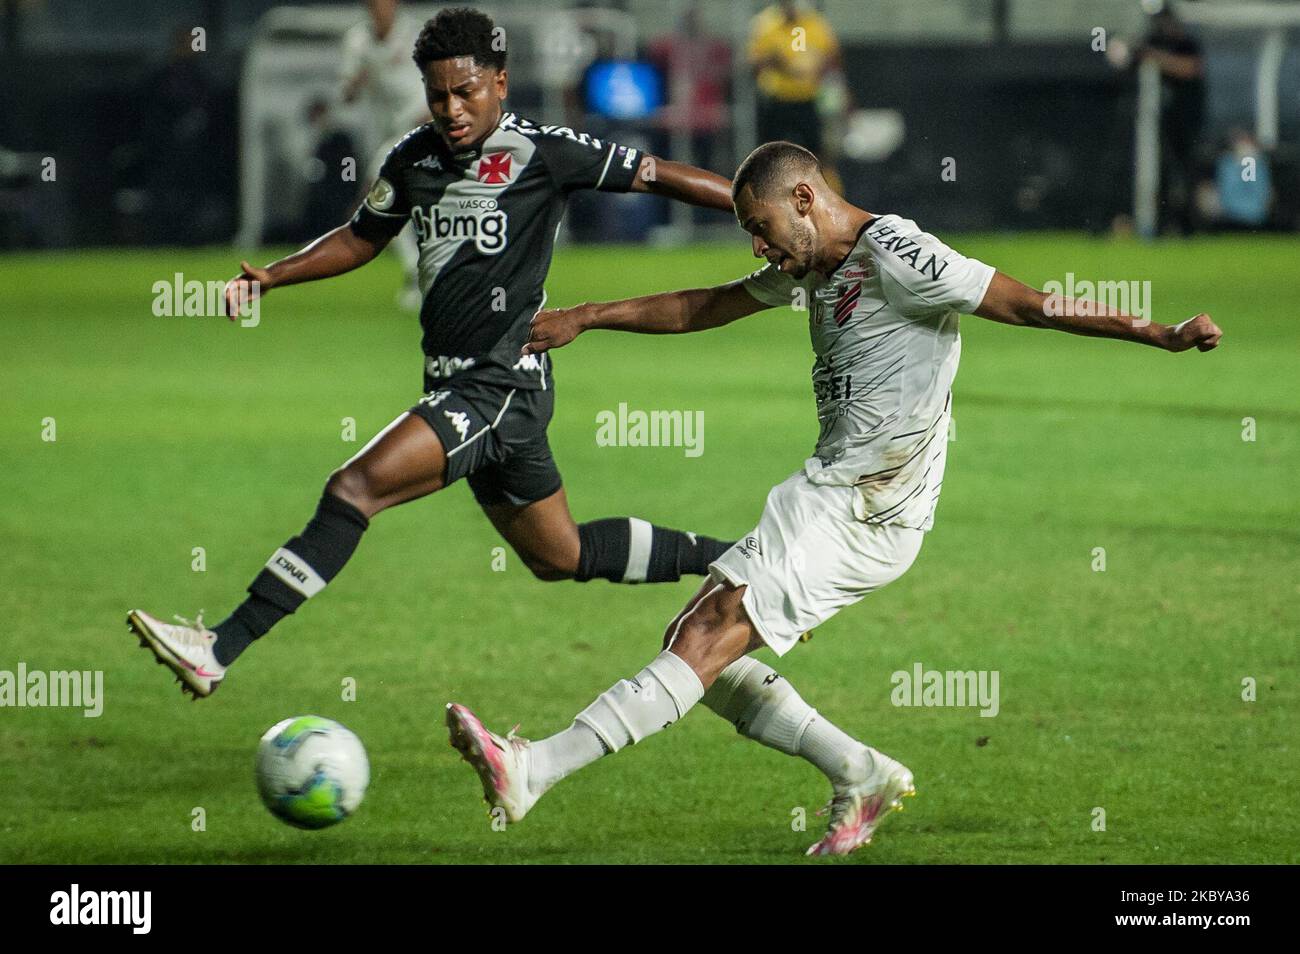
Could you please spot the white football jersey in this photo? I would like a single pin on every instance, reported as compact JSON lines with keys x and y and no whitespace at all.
{"x":393,"y":91}
{"x":884,"y":329}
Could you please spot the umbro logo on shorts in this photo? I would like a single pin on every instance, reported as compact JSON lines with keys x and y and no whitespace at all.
{"x":749,"y":548}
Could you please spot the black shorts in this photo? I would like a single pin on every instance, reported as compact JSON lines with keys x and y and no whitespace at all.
{"x":496,"y":436}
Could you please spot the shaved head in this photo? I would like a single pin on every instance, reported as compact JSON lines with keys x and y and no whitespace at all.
{"x":775,"y":167}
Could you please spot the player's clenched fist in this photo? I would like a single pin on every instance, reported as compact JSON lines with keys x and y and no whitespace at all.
{"x":1199,"y":332}
{"x":249,"y":284}
{"x":553,"y":329}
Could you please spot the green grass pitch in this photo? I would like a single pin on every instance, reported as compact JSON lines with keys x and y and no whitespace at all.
{"x":1120,"y":690}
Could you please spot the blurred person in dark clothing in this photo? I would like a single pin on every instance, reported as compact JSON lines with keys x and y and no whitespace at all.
{"x":329,"y":196}
{"x":1182,"y":109}
{"x":180,"y":149}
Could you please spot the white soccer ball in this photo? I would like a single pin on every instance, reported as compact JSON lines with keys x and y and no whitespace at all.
{"x":311,"y":772}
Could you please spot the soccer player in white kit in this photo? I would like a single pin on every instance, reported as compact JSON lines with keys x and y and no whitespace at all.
{"x":375,"y":70}
{"x":883,"y":299}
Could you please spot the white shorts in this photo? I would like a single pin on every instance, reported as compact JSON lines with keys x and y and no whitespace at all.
{"x":809,"y":557}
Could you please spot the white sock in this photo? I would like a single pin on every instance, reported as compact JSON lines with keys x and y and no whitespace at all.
{"x":763,"y":706}
{"x":622,"y":715}
{"x":556,"y":756}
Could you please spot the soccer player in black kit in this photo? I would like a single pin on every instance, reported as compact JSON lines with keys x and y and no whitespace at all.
{"x":485,"y":190}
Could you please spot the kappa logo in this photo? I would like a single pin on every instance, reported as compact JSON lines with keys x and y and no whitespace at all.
{"x":429,"y":162}
{"x":528,"y":362}
{"x":460,"y":421}
{"x":494,"y":169}
{"x":434,"y":398}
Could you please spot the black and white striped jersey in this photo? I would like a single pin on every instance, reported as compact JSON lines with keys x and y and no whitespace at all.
{"x":884,"y":331}
{"x":486,"y":220}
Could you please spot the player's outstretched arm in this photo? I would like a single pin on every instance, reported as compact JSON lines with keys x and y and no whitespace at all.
{"x":1014,"y":303}
{"x":696,"y":309}
{"x":334,"y":253}
{"x":677,"y":180}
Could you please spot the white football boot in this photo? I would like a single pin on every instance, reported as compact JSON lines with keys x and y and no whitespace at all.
{"x":185,"y":649}
{"x":857,"y":810}
{"x":502,"y":764}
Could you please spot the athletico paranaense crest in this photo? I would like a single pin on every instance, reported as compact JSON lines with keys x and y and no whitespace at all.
{"x":848,"y":300}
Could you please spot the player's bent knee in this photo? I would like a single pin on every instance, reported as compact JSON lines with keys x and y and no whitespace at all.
{"x":715,"y":633}
{"x":551,"y":564}
{"x":352,"y":485}
{"x":548,"y":571}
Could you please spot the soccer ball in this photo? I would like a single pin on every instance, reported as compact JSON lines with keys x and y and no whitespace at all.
{"x":311,"y":772}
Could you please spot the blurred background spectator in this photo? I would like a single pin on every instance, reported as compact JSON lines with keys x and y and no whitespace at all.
{"x":1182,"y":110}
{"x":1240,"y":196}
{"x":792,"y":50}
{"x":378,"y":74}
{"x":331,"y":147}
{"x":697,"y":66}
{"x":201,"y":121}
{"x":163,"y":169}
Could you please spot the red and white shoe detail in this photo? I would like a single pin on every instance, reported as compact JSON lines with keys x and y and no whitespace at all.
{"x":186,"y":648}
{"x":501,"y":762}
{"x":857,"y":811}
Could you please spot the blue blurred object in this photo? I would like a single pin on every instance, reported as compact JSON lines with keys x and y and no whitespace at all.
{"x":623,"y":89}
{"x":1244,"y":201}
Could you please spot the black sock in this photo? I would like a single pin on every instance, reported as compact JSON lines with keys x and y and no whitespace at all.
{"x":297,"y":570}
{"x":251,"y":619}
{"x":630,"y":550}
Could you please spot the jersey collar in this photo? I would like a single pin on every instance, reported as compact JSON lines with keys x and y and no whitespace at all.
{"x":856,"y":242}
{"x":464,"y":157}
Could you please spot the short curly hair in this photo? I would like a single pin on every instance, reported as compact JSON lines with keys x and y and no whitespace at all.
{"x":461,"y":31}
